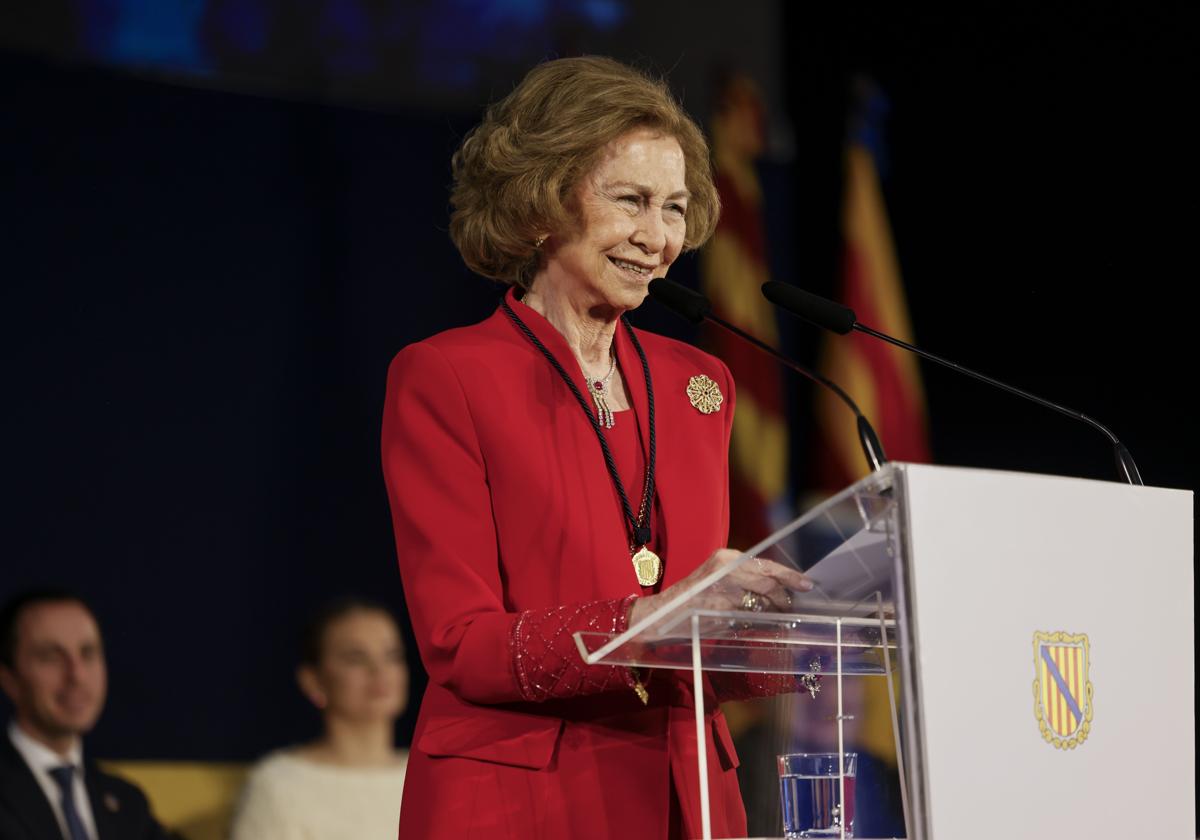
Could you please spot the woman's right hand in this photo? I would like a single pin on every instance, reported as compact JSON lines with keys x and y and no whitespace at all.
{"x":755,"y":578}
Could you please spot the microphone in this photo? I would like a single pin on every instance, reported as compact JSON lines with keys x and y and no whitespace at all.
{"x":695,"y":308}
{"x":840,"y":319}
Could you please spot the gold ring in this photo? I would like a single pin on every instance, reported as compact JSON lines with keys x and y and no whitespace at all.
{"x":753,"y":602}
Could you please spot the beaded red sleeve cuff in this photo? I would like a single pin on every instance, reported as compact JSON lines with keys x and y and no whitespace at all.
{"x":546,"y":660}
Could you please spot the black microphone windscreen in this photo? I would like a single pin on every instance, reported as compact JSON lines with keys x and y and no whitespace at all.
{"x":820,"y":311}
{"x":680,"y":299}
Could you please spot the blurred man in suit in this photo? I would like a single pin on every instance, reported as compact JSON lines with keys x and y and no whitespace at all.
{"x":52,"y":668}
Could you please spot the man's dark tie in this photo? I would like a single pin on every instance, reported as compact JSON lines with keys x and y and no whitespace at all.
{"x":64,"y":776}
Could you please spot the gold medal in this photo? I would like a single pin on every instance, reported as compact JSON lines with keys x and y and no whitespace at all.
{"x":647,"y":566}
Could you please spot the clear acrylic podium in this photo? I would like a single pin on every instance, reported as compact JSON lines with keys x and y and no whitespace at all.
{"x":932,"y":588}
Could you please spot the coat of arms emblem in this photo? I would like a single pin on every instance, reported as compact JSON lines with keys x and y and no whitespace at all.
{"x":1062,"y":688}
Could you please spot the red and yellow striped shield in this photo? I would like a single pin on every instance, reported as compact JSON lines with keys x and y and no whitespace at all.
{"x":1061,"y":687}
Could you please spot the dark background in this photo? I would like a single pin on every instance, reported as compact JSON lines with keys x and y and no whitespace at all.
{"x":206,"y":268}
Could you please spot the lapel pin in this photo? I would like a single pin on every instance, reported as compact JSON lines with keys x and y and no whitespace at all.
{"x":112,"y":803}
{"x":706,"y":397}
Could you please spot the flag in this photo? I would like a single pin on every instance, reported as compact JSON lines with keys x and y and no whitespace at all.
{"x":884,"y":380}
{"x":733,"y":269}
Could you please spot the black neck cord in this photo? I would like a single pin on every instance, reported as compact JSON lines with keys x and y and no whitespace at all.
{"x":640,"y":530}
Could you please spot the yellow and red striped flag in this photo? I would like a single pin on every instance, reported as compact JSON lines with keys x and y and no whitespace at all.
{"x":733,"y":269}
{"x":884,"y":380}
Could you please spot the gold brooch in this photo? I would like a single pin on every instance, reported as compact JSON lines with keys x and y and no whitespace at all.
{"x":706,"y":397}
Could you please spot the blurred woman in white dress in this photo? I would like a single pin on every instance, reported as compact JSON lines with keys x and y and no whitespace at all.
{"x":347,"y":784}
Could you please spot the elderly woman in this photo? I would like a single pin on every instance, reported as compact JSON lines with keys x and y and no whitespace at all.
{"x":553,"y":470}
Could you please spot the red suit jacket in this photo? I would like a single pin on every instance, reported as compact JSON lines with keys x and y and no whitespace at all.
{"x":511,"y":537}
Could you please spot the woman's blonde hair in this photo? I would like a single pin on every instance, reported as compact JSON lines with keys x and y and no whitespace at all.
{"x":515,"y":172}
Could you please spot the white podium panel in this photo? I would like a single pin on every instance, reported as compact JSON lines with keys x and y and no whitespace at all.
{"x":1086,"y":561}
{"x":1031,"y":637}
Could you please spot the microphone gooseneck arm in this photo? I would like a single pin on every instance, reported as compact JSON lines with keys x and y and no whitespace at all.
{"x":841,"y":319}
{"x":695,"y":307}
{"x":1125,"y":465}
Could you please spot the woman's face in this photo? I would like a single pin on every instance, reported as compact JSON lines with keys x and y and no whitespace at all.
{"x":362,"y":675}
{"x":631,"y":213}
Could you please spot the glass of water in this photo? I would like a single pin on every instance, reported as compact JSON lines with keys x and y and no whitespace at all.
{"x":810,"y":791}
